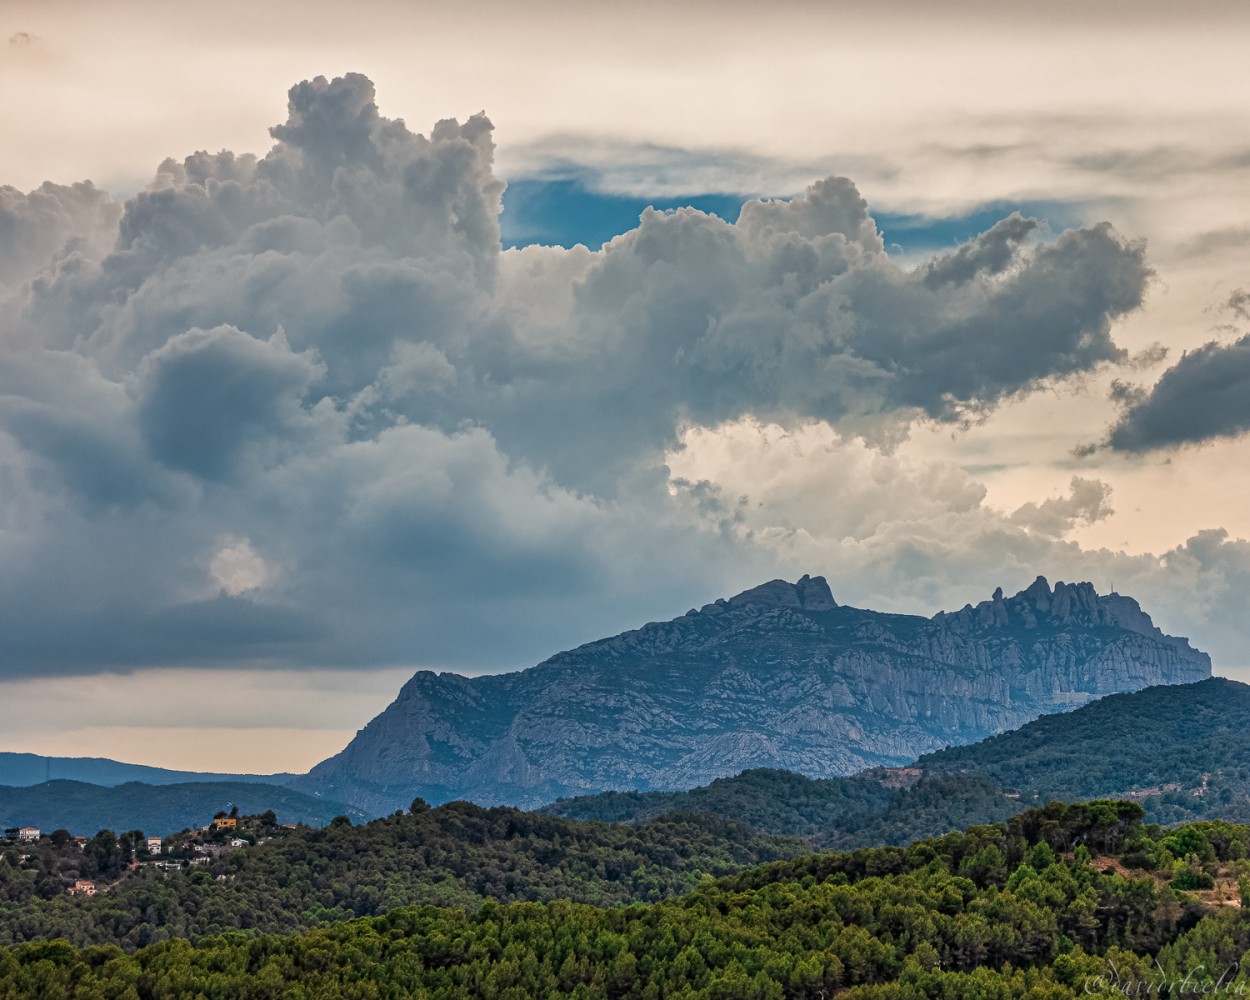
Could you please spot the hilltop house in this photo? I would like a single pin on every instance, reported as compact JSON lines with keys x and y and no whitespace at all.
{"x":82,"y":888}
{"x":225,"y":823}
{"x":28,"y":834}
{"x":154,"y":845}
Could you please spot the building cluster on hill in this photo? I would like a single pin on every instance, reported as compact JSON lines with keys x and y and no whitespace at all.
{"x":85,"y":866}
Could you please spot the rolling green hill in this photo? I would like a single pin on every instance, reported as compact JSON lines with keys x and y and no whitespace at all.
{"x":456,"y":855}
{"x":859,"y":811}
{"x":1183,"y":752}
{"x":1036,"y":909}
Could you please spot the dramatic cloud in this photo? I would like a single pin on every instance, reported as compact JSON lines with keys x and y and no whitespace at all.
{"x":914,"y":535}
{"x":1204,"y":396}
{"x":303,"y":409}
{"x":208,"y":395}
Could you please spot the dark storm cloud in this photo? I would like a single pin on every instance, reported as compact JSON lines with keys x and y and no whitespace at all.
{"x":1204,"y":396}
{"x":225,"y":623}
{"x":797,"y":311}
{"x":437,"y":451}
{"x":990,"y":253}
{"x":206,"y":395}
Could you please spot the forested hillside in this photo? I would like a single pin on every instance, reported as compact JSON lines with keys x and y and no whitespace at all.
{"x":860,"y":811}
{"x":1035,"y":908}
{"x":1183,"y":751}
{"x":455,"y":855}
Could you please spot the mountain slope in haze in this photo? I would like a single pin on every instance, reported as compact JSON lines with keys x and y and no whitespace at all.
{"x":1182,"y":752}
{"x":19,"y":770}
{"x":780,"y":676}
{"x":84,"y":809}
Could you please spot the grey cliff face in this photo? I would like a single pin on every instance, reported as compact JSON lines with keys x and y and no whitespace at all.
{"x":778,"y":676}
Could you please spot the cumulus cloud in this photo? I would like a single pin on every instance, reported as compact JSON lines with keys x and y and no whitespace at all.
{"x":51,"y":223}
{"x":302,"y":408}
{"x":990,"y":253}
{"x":207,"y":395}
{"x":917,"y":536}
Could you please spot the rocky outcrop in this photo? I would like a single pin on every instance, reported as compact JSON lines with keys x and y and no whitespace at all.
{"x":779,"y":676}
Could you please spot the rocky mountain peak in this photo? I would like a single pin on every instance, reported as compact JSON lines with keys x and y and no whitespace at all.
{"x":1067,"y":604}
{"x":811,"y":593}
{"x":779,"y":676}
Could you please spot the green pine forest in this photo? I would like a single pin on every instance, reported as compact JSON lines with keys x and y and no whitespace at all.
{"x":766,"y":884}
{"x":1057,"y":902}
{"x":456,"y":855}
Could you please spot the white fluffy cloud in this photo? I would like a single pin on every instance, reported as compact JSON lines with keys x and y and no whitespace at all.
{"x":916,"y":536}
{"x":1087,"y":502}
{"x":49,"y":224}
{"x":302,"y":408}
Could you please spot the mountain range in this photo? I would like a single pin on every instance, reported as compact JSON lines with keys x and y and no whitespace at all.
{"x":84,"y":808}
{"x":20,"y":770}
{"x":780,"y":676}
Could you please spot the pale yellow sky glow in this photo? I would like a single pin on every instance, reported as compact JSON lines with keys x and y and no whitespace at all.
{"x":1134,"y":113}
{"x":258,"y":721}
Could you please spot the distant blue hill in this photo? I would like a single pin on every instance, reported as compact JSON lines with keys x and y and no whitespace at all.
{"x":21,"y":770}
{"x":83,"y":808}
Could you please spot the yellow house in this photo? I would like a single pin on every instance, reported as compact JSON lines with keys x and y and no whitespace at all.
{"x":225,"y":823}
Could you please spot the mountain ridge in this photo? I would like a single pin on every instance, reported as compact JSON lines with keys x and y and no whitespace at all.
{"x":780,"y":675}
{"x":21,"y":770}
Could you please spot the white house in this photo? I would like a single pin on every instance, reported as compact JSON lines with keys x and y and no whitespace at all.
{"x":28,"y":834}
{"x":154,"y":845}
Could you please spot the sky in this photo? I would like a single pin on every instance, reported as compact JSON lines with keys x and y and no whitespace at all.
{"x":336,"y":344}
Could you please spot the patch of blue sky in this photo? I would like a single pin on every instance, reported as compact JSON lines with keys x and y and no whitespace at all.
{"x":565,"y":211}
{"x":912,"y":234}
